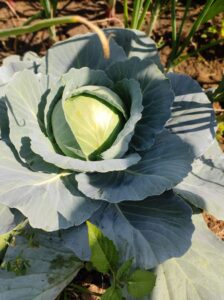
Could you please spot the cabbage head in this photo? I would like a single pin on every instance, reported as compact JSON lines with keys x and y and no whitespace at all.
{"x":116,"y":141}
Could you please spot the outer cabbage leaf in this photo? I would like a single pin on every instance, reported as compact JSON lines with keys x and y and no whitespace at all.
{"x":164,"y":165}
{"x":192,"y":117}
{"x":135,"y":43}
{"x":15,"y":63}
{"x":9,"y":219}
{"x":204,"y":186}
{"x":157,"y":97}
{"x":51,"y":268}
{"x":198,"y":274}
{"x":77,"y":52}
{"x":149,"y":231}
{"x":50,"y":201}
{"x":23,"y":97}
{"x":46,"y":151}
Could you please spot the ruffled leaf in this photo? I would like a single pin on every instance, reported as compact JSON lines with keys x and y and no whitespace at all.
{"x":164,"y":165}
{"x":198,"y":274}
{"x":77,"y":52}
{"x":130,"y":93}
{"x":40,"y":272}
{"x":24,"y":94}
{"x":204,"y":186}
{"x":192,"y":117}
{"x":47,"y":152}
{"x":10,"y":218}
{"x":135,"y":43}
{"x":157,"y":97}
{"x":15,"y":63}
{"x":50,"y":201}
{"x":149,"y":231}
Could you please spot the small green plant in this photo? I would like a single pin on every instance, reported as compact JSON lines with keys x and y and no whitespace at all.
{"x":105,"y":258}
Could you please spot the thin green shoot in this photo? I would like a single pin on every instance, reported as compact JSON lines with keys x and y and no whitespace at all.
{"x":143,"y":14}
{"x":58,"y":21}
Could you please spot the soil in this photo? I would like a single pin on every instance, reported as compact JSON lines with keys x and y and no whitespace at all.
{"x":207,"y":68}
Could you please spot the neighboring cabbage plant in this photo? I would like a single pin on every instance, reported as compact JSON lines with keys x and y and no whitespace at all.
{"x":117,"y":142}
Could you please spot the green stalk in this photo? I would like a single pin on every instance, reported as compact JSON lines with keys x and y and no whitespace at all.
{"x":154,"y":17}
{"x":136,"y":13}
{"x":58,"y":21}
{"x":38,"y":15}
{"x":187,"y":7}
{"x":49,"y":13}
{"x":195,"y":26}
{"x":126,"y":13}
{"x":205,"y":47}
{"x":143,"y":14}
{"x":174,"y":25}
{"x":177,"y":44}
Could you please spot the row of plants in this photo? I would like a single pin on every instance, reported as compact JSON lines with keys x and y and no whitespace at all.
{"x":107,"y":162}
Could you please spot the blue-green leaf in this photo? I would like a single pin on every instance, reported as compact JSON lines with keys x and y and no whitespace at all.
{"x":48,"y":269}
{"x":42,"y":146}
{"x":50,"y":201}
{"x":10,"y":218}
{"x":148,"y":231}
{"x":77,"y":52}
{"x":130,"y":92}
{"x":15,"y":63}
{"x":198,"y":274}
{"x":157,"y":97}
{"x":204,"y":186}
{"x":135,"y":43}
{"x":192,"y":117}
{"x":23,"y":98}
{"x":164,"y":165}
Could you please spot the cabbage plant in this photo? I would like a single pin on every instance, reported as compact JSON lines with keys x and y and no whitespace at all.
{"x":120,"y":143}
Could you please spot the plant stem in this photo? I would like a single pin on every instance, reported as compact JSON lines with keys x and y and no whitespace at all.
{"x":175,"y":47}
{"x":187,"y":7}
{"x":184,"y":57}
{"x":126,"y":13}
{"x":58,"y":21}
{"x":195,"y":26}
{"x":136,"y":13}
{"x":143,"y":14}
{"x":153,"y":17}
{"x":174,"y":25}
{"x":38,"y":15}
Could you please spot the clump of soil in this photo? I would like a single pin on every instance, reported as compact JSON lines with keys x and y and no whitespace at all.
{"x":215,"y":225}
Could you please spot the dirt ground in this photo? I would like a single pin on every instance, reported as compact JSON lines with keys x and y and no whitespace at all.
{"x":207,"y":68}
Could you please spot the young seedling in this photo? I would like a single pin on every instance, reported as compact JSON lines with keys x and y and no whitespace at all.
{"x":105,"y":258}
